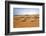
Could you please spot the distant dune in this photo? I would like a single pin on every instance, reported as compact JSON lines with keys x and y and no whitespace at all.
{"x":20,"y":21}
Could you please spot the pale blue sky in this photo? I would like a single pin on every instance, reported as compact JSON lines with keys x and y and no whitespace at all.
{"x":24,"y":11}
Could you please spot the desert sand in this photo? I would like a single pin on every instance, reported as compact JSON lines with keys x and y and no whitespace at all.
{"x":21,"y":21}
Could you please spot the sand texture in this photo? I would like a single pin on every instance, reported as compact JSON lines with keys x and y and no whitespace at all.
{"x":21,"y":21}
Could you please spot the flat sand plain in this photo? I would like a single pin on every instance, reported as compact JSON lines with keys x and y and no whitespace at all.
{"x":21,"y":21}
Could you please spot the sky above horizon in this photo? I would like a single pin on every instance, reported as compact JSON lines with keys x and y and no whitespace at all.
{"x":25,"y":11}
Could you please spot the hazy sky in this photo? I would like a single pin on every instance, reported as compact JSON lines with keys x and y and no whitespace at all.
{"x":25,"y":11}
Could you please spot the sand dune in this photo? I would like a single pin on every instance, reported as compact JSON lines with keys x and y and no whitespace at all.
{"x":20,"y":21}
